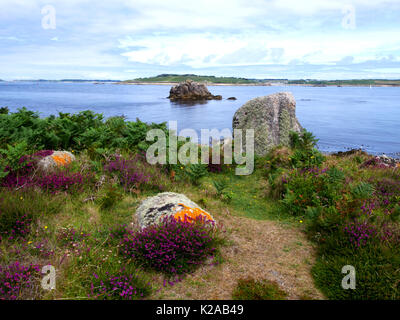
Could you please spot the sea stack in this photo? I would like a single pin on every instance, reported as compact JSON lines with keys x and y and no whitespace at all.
{"x":190,"y":90}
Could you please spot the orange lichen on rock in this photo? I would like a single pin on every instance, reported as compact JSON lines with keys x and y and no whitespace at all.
{"x":191,"y":214}
{"x":62,"y":159}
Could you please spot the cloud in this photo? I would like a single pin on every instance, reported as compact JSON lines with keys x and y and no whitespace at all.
{"x":253,"y":38}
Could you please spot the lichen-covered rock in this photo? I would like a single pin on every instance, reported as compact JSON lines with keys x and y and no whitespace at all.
{"x":56,"y":160}
{"x":190,"y":90}
{"x":153,"y":209}
{"x":390,"y":162}
{"x":272,"y":117}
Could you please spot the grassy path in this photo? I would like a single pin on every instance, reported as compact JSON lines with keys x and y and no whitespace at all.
{"x":262,"y":244}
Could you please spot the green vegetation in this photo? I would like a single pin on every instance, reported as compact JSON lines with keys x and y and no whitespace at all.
{"x":350,"y":211}
{"x":353,"y":82}
{"x":84,"y":130}
{"x":79,"y":217}
{"x":250,"y":289}
{"x":176,"y":78}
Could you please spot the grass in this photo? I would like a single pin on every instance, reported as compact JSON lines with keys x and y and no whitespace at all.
{"x":85,"y":213}
{"x":250,"y":289}
{"x":286,"y":222}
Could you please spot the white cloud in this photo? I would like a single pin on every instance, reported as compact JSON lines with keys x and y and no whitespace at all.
{"x":143,"y":35}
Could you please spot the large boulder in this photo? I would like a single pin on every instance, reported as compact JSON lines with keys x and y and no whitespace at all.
{"x":272,"y":117}
{"x":190,"y":90}
{"x":153,"y":209}
{"x":55,"y":160}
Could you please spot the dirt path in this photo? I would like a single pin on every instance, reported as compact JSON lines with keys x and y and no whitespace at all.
{"x":261,"y":250}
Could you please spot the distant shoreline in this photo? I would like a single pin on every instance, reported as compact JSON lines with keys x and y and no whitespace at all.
{"x":261,"y":84}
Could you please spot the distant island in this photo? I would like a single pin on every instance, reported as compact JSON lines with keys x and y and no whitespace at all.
{"x":172,"y":79}
{"x":353,"y":82}
{"x":177,"y":78}
{"x":213,"y":80}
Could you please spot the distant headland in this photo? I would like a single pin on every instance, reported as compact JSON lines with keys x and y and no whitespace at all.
{"x":170,"y":79}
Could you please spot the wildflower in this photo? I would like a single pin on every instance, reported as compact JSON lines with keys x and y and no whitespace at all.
{"x":301,"y":221}
{"x":173,"y":247}
{"x":45,"y":227}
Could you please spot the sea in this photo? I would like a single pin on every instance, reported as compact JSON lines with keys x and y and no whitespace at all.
{"x":342,"y":118}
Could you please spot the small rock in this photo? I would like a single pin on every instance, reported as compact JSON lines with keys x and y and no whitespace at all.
{"x":55,"y":160}
{"x":153,"y":209}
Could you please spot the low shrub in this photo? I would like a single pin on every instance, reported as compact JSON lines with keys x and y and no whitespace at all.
{"x":278,"y":158}
{"x":134,"y":173}
{"x":117,"y":233}
{"x":312,"y":187}
{"x":18,"y":281}
{"x":195,"y":172}
{"x":64,"y":181}
{"x":173,"y":247}
{"x":83,"y":130}
{"x":21,"y":173}
{"x":121,"y":285}
{"x":18,"y":210}
{"x":373,"y":162}
{"x":110,"y":198}
{"x":305,"y":155}
{"x":27,"y":176}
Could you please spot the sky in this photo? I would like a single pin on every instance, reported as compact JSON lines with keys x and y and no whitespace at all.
{"x":263,"y":39}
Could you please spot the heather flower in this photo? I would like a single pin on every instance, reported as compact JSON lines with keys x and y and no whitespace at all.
{"x":360,"y":233}
{"x":120,"y":286}
{"x":173,"y":247}
{"x":55,"y":182}
{"x":132,"y":173}
{"x":18,"y":229}
{"x":17,"y":280}
{"x":24,"y":177}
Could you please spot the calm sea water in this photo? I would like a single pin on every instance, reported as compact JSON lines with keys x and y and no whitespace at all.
{"x":341,"y":117}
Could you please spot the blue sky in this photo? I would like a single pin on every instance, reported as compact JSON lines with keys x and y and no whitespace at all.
{"x":127,"y":39}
